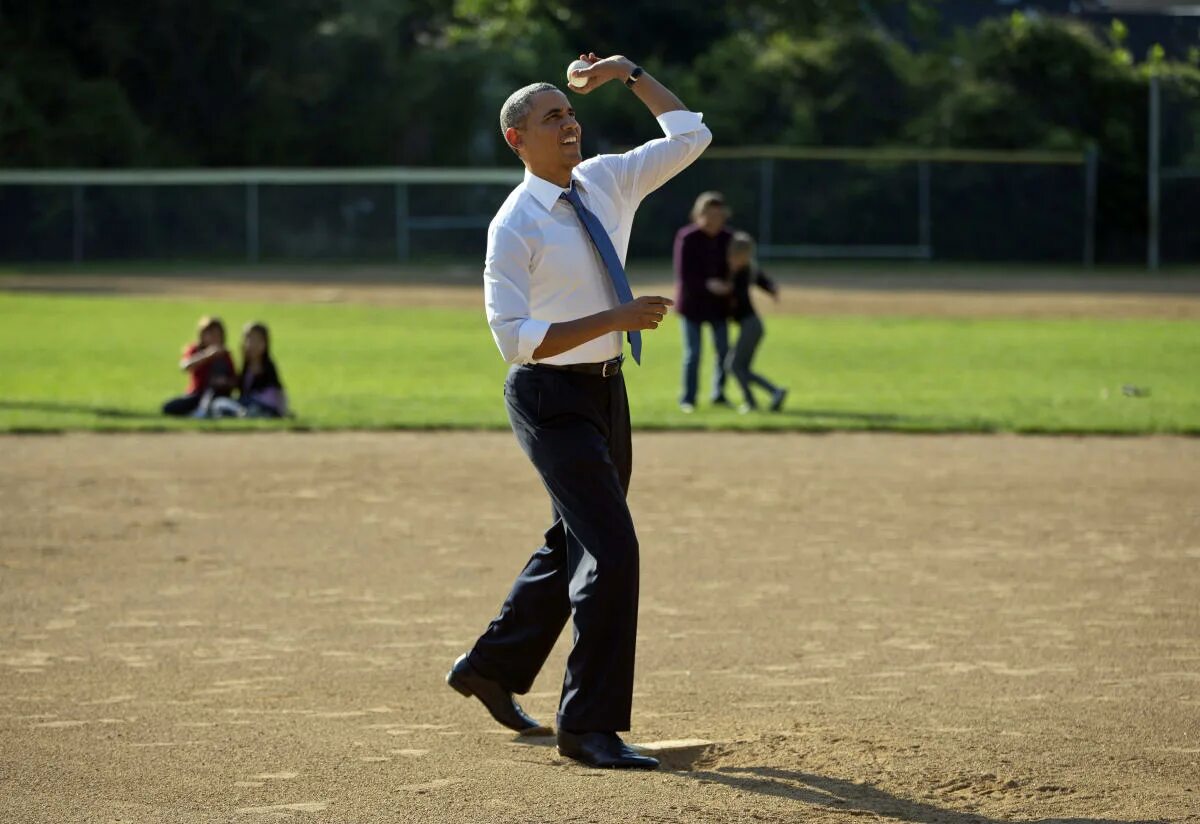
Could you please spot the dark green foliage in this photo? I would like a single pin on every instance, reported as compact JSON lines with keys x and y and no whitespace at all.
{"x":90,"y":83}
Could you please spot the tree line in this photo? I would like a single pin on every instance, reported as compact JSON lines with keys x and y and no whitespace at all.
{"x":93,"y":83}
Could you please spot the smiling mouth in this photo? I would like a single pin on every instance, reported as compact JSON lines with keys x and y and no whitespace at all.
{"x":570,"y":140}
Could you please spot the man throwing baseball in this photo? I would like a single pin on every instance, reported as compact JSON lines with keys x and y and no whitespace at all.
{"x":560,"y":307}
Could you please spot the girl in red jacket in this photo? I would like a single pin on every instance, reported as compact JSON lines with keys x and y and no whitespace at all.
{"x":210,"y":369}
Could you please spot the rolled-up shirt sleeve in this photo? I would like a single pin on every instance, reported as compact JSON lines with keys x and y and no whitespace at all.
{"x":506,"y":282}
{"x":642,"y":170}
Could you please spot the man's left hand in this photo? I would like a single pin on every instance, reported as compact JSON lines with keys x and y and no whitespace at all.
{"x":602,"y":71}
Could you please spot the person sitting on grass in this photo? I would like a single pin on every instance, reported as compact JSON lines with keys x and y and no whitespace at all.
{"x":210,"y":369}
{"x":260,"y":392}
{"x":743,"y":272}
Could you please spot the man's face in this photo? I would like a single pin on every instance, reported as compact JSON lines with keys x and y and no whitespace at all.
{"x":550,"y":138}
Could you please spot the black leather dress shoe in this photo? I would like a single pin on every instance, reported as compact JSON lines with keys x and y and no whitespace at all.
{"x":605,"y":750}
{"x":497,"y":699}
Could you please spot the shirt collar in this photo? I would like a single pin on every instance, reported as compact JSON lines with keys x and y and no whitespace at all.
{"x":545,"y":192}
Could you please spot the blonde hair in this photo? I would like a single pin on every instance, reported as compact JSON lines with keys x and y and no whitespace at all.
{"x":705,"y":200}
{"x":743,"y":242}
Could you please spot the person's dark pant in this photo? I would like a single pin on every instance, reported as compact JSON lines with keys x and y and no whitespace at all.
{"x":750,"y":335}
{"x":691,"y":358}
{"x":575,"y":429}
{"x":183,"y":405}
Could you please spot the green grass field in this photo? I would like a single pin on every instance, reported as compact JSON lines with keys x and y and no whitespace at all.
{"x":99,"y":363}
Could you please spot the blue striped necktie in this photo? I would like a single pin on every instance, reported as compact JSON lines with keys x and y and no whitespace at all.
{"x":612,"y":262}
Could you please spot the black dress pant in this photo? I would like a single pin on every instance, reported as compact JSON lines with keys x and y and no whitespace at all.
{"x":575,"y":429}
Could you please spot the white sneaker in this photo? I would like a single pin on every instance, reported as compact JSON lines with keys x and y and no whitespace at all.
{"x":745,"y":409}
{"x":687,"y":408}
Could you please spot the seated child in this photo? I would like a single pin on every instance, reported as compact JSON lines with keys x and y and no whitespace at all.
{"x":260,"y":391}
{"x":210,"y":369}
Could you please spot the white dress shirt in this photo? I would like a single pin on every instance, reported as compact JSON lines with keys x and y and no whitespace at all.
{"x":541,"y":266}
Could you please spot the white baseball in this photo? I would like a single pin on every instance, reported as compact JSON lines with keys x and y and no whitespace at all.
{"x":577,"y":82}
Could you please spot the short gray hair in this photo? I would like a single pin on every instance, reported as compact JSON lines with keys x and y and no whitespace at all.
{"x":515,"y":110}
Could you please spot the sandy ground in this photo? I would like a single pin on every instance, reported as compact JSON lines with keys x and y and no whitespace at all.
{"x":253,"y":628}
{"x":1023,"y":293}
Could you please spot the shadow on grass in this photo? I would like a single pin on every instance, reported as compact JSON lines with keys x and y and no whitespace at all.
{"x":870,"y":418}
{"x":835,"y":794}
{"x":82,"y":409}
{"x":886,"y":420}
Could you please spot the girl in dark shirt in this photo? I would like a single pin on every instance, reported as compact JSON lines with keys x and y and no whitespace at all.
{"x":743,"y":273}
{"x":260,"y":392}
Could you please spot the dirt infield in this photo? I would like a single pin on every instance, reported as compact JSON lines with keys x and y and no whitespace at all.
{"x":248,"y":628}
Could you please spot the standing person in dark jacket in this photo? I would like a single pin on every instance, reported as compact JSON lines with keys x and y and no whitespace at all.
{"x":702,"y":292}
{"x":744,"y":272}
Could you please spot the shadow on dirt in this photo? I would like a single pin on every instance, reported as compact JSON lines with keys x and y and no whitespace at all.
{"x":835,"y":794}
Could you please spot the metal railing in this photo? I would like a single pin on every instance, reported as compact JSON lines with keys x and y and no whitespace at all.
{"x":251,"y":180}
{"x":923,"y":160}
{"x":803,"y":202}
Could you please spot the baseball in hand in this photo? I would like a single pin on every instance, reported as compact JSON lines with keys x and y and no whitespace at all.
{"x":577,"y":82}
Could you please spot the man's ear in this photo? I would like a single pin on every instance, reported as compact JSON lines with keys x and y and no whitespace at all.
{"x":512,"y":136}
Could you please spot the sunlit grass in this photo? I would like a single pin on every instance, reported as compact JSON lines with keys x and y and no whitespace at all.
{"x":86,"y":363}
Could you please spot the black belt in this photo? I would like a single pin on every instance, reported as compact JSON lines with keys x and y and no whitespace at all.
{"x":606,"y":369}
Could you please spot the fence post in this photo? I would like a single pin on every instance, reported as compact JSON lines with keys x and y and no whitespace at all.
{"x":1091,"y":176}
{"x":402,"y":232}
{"x":77,"y":223}
{"x":1152,"y":250}
{"x":766,"y":198}
{"x":252,"y":221}
{"x":925,"y":209}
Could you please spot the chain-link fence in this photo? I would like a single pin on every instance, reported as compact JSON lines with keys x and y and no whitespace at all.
{"x":251,"y":215}
{"x":1174,"y":190}
{"x":814,"y":203}
{"x":870,"y":203}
